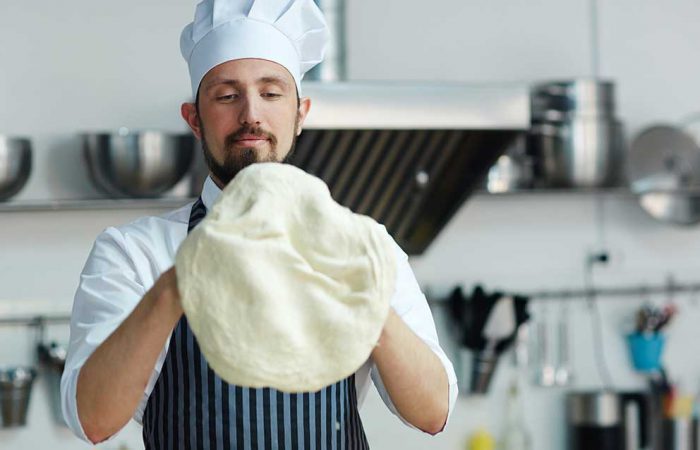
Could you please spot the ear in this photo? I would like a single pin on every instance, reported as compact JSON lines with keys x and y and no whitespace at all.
{"x":304,"y":107}
{"x":189,"y":113}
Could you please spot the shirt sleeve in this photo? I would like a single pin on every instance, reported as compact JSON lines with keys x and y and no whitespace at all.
{"x":410,"y":304}
{"x":109,"y":289}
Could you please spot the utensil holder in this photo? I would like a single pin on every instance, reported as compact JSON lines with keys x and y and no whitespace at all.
{"x":646,"y":350}
{"x":15,"y":390}
{"x":483,"y":368}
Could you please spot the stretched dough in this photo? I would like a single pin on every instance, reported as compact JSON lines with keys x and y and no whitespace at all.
{"x":282,"y":286}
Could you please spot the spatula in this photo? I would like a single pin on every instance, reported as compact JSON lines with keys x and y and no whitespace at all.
{"x":501,"y":323}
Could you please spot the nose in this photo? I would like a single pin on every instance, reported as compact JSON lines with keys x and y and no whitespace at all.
{"x":249,"y":113}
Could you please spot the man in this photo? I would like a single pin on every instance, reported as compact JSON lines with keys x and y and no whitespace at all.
{"x":132,"y":353}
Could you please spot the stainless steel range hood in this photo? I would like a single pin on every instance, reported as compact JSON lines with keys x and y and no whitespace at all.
{"x":407,"y":154}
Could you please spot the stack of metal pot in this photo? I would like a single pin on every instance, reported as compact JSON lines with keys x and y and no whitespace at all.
{"x":575,"y":139}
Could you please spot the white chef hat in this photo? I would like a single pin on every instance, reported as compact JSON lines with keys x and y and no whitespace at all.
{"x":292,"y":33}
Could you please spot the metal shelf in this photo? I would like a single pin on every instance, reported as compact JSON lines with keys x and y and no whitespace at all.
{"x":612,"y":190}
{"x":93,"y":204}
{"x":617,"y":190}
{"x":174,"y":202}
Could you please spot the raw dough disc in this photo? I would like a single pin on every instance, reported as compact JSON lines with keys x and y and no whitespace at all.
{"x":282,"y":286}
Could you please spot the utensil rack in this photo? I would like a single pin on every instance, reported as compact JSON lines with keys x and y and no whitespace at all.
{"x":38,"y":321}
{"x":607,"y":293}
{"x":641,"y":291}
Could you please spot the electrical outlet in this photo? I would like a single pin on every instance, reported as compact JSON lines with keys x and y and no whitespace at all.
{"x":607,"y":258}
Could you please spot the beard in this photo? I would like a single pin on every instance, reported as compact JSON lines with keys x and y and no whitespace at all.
{"x":236,"y":160}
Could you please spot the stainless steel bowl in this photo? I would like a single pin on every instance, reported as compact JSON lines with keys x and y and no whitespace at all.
{"x":15,"y":165}
{"x":137,"y":164}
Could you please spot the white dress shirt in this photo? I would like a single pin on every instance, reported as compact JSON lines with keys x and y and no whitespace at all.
{"x":126,"y":261}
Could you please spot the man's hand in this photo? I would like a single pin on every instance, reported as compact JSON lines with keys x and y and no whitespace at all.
{"x":112,"y":382}
{"x":413,"y":376}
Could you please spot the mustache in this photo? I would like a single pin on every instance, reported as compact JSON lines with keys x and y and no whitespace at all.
{"x":249,"y":130}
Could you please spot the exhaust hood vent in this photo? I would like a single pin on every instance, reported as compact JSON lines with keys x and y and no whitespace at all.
{"x":407,"y":155}
{"x":412,"y":181}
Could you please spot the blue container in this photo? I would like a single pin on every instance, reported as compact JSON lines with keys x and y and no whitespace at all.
{"x":646,"y":350}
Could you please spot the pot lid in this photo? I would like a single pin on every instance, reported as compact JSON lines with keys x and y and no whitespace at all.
{"x":663,"y":158}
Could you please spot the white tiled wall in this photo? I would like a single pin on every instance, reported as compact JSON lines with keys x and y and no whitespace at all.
{"x":98,"y":65}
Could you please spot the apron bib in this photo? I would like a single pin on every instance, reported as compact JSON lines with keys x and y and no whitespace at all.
{"x":190,"y":407}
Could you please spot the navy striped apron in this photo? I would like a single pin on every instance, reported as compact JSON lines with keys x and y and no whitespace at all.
{"x":190,"y":407}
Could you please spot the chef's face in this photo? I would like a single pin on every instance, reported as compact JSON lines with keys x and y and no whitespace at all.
{"x":246,"y":111}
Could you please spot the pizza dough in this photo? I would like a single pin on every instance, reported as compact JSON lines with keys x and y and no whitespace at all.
{"x":282,"y":286}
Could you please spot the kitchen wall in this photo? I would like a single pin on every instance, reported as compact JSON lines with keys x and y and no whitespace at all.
{"x":100,"y":65}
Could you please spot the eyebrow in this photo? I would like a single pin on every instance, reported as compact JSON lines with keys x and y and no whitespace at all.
{"x":268,"y":79}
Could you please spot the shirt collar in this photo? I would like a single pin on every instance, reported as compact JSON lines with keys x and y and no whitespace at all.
{"x":210,"y":193}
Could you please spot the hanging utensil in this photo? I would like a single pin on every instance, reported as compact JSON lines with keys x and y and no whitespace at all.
{"x":563,"y":372}
{"x":546,"y":371}
{"x":52,"y":360}
{"x":499,"y":326}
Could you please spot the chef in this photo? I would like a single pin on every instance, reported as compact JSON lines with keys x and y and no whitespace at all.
{"x":132,"y":353}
